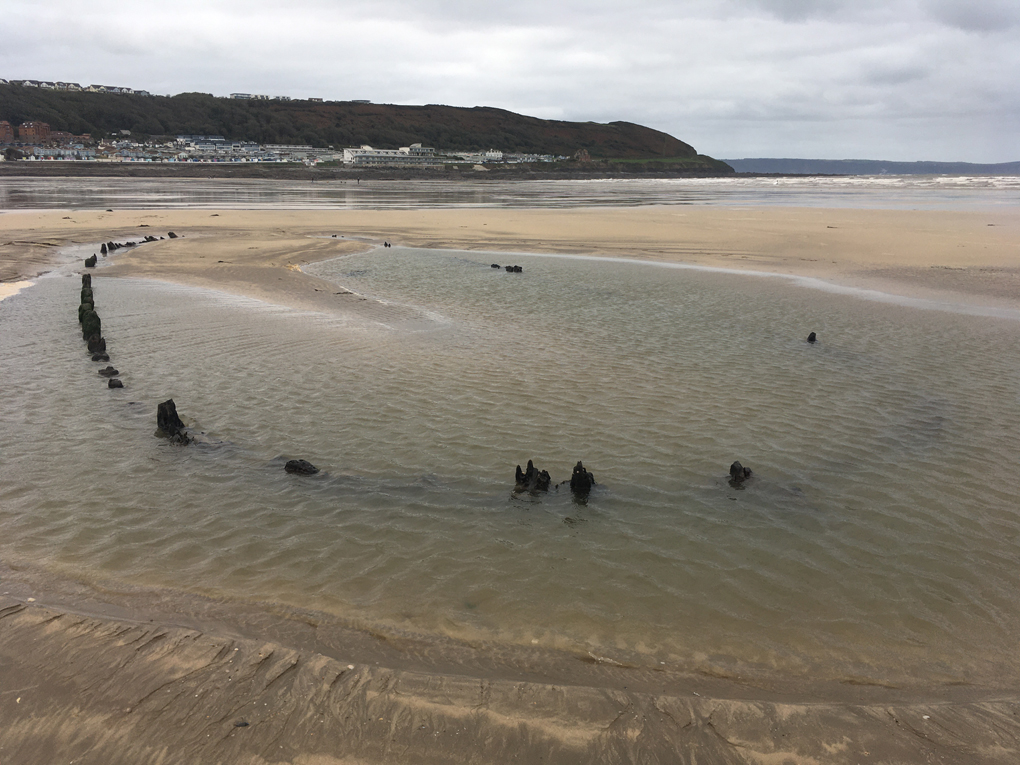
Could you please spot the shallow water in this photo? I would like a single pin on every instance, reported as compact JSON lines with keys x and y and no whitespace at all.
{"x":877,"y":542}
{"x":887,"y":191}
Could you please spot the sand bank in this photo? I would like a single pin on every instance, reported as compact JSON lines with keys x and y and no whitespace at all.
{"x":12,"y":288}
{"x":965,"y":257}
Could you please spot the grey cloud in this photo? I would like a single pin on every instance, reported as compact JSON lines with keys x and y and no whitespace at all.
{"x":800,"y":10}
{"x":983,"y":16}
{"x":895,"y":74}
{"x":779,"y":77}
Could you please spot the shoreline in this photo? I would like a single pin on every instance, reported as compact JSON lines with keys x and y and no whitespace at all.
{"x":127,"y":675}
{"x":284,"y":171}
{"x":969,"y":258}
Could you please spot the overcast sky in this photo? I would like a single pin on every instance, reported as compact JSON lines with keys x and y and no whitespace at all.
{"x":873,"y":79}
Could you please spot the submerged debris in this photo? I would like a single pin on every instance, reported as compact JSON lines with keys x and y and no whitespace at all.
{"x":581,"y":480}
{"x":300,"y":467}
{"x":531,"y":480}
{"x":169,"y":423}
{"x":739,"y":474}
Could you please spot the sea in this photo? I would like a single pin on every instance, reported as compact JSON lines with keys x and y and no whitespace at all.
{"x":877,"y":542}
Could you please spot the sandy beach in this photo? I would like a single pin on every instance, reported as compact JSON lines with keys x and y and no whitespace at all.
{"x":111,"y":674}
{"x":970,"y":257}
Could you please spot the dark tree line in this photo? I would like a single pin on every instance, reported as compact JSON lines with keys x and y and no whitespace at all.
{"x":334,"y":124}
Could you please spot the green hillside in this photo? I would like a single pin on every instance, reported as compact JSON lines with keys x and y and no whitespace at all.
{"x":341,"y":124}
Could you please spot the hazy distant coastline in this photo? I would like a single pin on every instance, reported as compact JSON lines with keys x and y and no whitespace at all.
{"x":791,"y":166}
{"x":300,"y":172}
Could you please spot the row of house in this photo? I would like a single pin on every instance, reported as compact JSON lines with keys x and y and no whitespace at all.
{"x":37,"y":140}
{"x":74,"y":86}
{"x":257,"y":97}
{"x":251,"y":97}
{"x":218,"y":148}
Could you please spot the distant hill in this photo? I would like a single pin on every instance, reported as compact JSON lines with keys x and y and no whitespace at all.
{"x":868,"y":167}
{"x":342,"y":124}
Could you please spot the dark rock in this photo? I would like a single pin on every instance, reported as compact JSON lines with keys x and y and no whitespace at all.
{"x":96,"y":344}
{"x":82,"y":309}
{"x":518,"y":270}
{"x":86,"y":295}
{"x":495,"y":265}
{"x":86,"y":280}
{"x":90,"y":324}
{"x":91,"y":262}
{"x":738,"y":474}
{"x":101,"y":356}
{"x":581,"y":480}
{"x":114,"y":383}
{"x":531,"y":480}
{"x":509,"y":269}
{"x":812,"y":337}
{"x":301,"y":467}
{"x":169,"y":424}
{"x":103,"y":248}
{"x":171,"y":234}
{"x":108,"y":372}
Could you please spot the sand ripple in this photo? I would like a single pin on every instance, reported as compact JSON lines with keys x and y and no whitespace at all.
{"x":878,"y":538}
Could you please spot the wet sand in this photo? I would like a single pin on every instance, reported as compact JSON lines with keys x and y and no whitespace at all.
{"x":115,"y":675}
{"x":104,"y":673}
{"x":956,"y":256}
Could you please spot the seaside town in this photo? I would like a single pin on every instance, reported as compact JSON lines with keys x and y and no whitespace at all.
{"x":36,"y":141}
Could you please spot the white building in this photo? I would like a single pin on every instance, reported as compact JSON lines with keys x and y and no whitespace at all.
{"x":415,"y":154}
{"x":295,"y":153}
{"x":107,"y":89}
{"x":479,"y":157}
